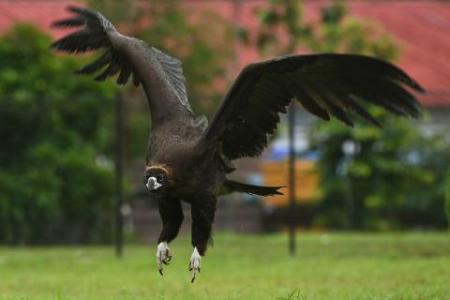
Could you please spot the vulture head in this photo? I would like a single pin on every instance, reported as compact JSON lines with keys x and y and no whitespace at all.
{"x":157,"y":178}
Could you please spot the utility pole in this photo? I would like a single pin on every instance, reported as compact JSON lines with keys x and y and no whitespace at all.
{"x":292,"y":181}
{"x":292,"y":26}
{"x":118,"y":236}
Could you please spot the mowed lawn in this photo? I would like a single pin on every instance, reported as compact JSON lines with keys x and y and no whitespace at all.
{"x":328,"y":266}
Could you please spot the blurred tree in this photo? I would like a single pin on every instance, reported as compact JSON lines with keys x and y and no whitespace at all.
{"x":55,"y":138}
{"x":189,"y":35}
{"x":283,"y":30}
{"x":393,"y":179}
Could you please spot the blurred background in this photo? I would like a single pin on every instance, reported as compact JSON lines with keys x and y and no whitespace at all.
{"x":58,"y":130}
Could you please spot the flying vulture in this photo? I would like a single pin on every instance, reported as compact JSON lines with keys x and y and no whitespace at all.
{"x":189,"y":159}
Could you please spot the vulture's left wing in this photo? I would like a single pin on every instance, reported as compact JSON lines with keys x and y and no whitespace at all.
{"x":326,"y":85}
{"x":160,"y":74}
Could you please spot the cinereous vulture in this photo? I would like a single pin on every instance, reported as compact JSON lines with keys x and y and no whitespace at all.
{"x":188,"y":160}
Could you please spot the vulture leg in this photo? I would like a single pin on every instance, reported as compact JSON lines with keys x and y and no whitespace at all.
{"x":172,"y":217}
{"x":202,"y":212}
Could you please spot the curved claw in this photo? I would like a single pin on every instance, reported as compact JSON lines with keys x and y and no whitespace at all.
{"x":195,"y":264}
{"x":163,"y":256}
{"x":166,"y":262}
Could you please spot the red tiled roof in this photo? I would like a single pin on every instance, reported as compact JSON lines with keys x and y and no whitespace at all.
{"x":422,"y":29}
{"x":39,"y":13}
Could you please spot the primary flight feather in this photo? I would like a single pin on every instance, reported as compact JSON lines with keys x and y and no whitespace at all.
{"x":187,"y":159}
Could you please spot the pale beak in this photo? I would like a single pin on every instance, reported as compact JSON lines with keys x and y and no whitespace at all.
{"x":153,"y":184}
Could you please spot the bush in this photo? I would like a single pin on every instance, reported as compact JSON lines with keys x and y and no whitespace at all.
{"x":394,"y":180}
{"x":55,"y":131}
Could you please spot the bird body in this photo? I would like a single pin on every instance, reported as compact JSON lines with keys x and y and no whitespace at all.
{"x":189,"y":159}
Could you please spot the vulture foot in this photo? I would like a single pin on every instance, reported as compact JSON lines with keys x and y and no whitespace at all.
{"x":163,"y":256}
{"x":194,"y":264}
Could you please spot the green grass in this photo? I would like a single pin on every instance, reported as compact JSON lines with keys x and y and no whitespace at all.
{"x":334,"y":266}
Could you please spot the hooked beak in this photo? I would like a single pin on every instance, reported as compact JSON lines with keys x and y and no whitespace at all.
{"x":153,"y":184}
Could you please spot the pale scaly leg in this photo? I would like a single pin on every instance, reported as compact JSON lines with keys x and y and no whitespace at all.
{"x":202,"y":218}
{"x":163,"y":256}
{"x":195,"y":264}
{"x":172,"y":217}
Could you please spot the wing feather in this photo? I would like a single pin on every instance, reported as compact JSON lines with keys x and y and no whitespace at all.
{"x":174,"y":71}
{"x":338,"y":85}
{"x":128,"y":58}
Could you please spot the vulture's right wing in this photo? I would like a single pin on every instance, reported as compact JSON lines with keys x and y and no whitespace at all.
{"x":161,"y":75}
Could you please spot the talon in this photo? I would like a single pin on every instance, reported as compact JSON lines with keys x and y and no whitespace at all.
{"x":163,"y":256}
{"x":195,"y":264}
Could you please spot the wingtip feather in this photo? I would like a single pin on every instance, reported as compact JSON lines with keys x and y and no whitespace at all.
{"x":418,"y":88}
{"x":72,"y":22}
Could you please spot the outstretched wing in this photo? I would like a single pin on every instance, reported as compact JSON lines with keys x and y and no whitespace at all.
{"x":326,"y":85}
{"x":160,"y":74}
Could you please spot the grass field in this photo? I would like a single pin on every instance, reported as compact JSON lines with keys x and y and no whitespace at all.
{"x":332,"y":266}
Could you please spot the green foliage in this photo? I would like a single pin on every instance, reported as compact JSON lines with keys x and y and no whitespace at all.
{"x":339,"y":32}
{"x":281,"y":16}
{"x":395,"y":179}
{"x":54,"y":130}
{"x":336,"y":31}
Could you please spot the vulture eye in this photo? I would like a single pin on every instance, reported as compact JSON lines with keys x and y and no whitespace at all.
{"x":146,"y":177}
{"x":159,"y":178}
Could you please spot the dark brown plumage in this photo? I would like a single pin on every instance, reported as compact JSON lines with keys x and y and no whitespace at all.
{"x":187,"y":159}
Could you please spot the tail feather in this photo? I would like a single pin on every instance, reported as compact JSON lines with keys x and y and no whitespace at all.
{"x":233,"y":186}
